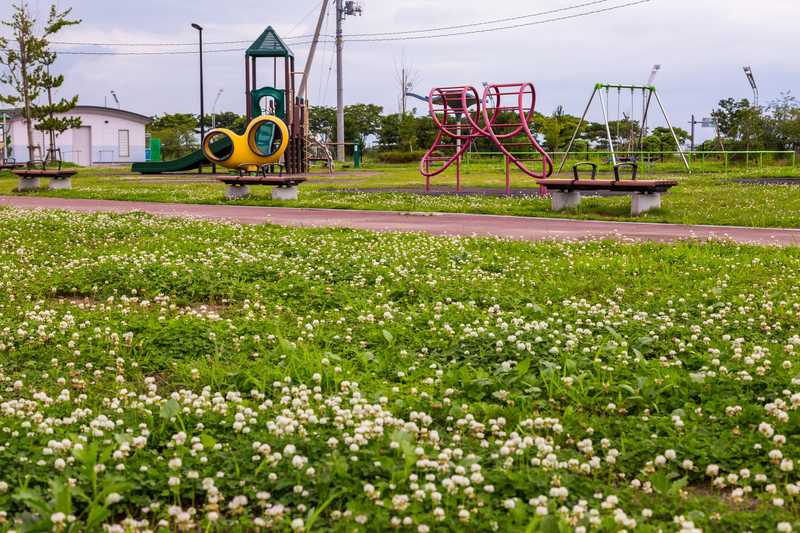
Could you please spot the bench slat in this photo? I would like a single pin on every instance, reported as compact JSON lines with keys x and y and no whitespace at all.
{"x":44,"y":173}
{"x":608,"y":185}
{"x":260,"y":180}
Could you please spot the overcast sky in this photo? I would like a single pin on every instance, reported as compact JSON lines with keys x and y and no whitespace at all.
{"x":701,"y":45}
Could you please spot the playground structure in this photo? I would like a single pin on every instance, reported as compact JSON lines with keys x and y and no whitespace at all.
{"x":634,"y":144}
{"x":275,"y":144}
{"x":263,"y":143}
{"x":462,"y":116}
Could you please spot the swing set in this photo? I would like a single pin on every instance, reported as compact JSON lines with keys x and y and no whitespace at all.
{"x":628,"y":151}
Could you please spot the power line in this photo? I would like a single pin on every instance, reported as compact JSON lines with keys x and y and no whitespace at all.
{"x":389,"y":39}
{"x":71,"y":43}
{"x":514,"y":26}
{"x":168,"y":53}
{"x":482,"y":23}
{"x":400,"y":33}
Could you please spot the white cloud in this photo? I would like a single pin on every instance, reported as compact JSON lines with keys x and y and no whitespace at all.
{"x":701,"y":44}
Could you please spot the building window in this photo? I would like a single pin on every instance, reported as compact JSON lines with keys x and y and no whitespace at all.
{"x":124,"y":143}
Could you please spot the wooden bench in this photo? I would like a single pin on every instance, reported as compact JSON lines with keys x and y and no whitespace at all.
{"x":645,"y":194}
{"x":283,"y":187}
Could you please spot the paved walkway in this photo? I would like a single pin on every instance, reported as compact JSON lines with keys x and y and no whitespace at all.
{"x":522,"y":228}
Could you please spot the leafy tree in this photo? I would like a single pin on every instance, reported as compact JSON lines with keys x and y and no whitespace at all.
{"x":741,"y":123}
{"x":361,"y":121}
{"x":45,"y":114}
{"x":425,"y":131}
{"x":557,"y":128}
{"x":389,"y":133}
{"x":785,"y":121}
{"x":226,"y":119}
{"x":177,"y":133}
{"x":27,"y":58}
{"x":322,"y":122}
{"x":660,"y":139}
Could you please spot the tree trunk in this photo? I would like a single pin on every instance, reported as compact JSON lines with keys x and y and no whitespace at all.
{"x":23,"y":63}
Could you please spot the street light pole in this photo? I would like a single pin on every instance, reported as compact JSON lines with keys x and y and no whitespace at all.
{"x":214,"y":110}
{"x":202,"y":104}
{"x":749,"y":73}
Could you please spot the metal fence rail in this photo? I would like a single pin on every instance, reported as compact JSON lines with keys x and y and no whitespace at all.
{"x":700,"y":161}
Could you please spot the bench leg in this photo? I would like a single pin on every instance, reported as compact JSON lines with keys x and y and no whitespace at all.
{"x":57,"y":184}
{"x":236,"y":192}
{"x":565,"y":200}
{"x":285,"y":193}
{"x":28,"y":184}
{"x":641,"y":203}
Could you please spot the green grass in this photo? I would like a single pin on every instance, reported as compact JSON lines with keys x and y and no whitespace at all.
{"x":165,"y":374}
{"x":700,"y":198}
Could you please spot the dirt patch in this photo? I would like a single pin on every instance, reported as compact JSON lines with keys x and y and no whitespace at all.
{"x":779,"y":180}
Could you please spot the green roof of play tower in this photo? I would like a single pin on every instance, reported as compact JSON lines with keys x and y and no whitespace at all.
{"x":269,"y":44}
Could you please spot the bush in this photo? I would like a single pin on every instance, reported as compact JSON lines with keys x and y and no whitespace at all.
{"x":400,"y":156}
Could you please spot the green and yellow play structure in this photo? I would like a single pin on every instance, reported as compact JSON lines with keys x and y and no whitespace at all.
{"x":276,"y":136}
{"x":263,"y":144}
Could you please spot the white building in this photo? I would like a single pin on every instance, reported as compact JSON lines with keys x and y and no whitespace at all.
{"x":106,"y":136}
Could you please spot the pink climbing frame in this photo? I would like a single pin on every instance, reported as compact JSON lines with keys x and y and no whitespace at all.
{"x":462,"y":117}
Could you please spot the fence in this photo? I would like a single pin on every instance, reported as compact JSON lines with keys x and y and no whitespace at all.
{"x":650,"y":162}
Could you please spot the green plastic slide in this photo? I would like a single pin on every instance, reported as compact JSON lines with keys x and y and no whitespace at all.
{"x":187,"y":162}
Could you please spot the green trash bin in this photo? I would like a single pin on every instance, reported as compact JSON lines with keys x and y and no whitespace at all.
{"x":357,"y":156}
{"x":155,"y":149}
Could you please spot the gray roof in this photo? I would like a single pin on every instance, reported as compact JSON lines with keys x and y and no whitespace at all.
{"x":98,"y":109}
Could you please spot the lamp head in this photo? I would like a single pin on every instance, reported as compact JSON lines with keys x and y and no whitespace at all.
{"x":196,"y":26}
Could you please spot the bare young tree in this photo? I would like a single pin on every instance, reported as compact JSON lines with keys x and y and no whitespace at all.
{"x":407,"y":77}
{"x":26,"y":57}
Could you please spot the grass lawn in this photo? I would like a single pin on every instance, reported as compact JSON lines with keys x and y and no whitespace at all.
{"x":700,"y":198}
{"x":165,"y":374}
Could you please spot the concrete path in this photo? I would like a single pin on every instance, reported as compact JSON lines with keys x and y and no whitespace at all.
{"x":523,"y":228}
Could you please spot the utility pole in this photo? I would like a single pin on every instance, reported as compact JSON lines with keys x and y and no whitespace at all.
{"x":343,"y":9}
{"x":339,"y":84}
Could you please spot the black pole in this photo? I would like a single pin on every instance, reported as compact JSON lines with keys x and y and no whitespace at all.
{"x":202,"y":103}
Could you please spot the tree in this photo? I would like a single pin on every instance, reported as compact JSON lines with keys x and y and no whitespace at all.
{"x":226,"y":119}
{"x":27,"y":61}
{"x":785,"y":121}
{"x":740,"y":122}
{"x":177,"y":133}
{"x":426,"y":131}
{"x":660,"y":139}
{"x":45,"y":115}
{"x":406,"y":77}
{"x":389,"y":133}
{"x":322,"y":122}
{"x":360,"y":121}
{"x":557,"y":128}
